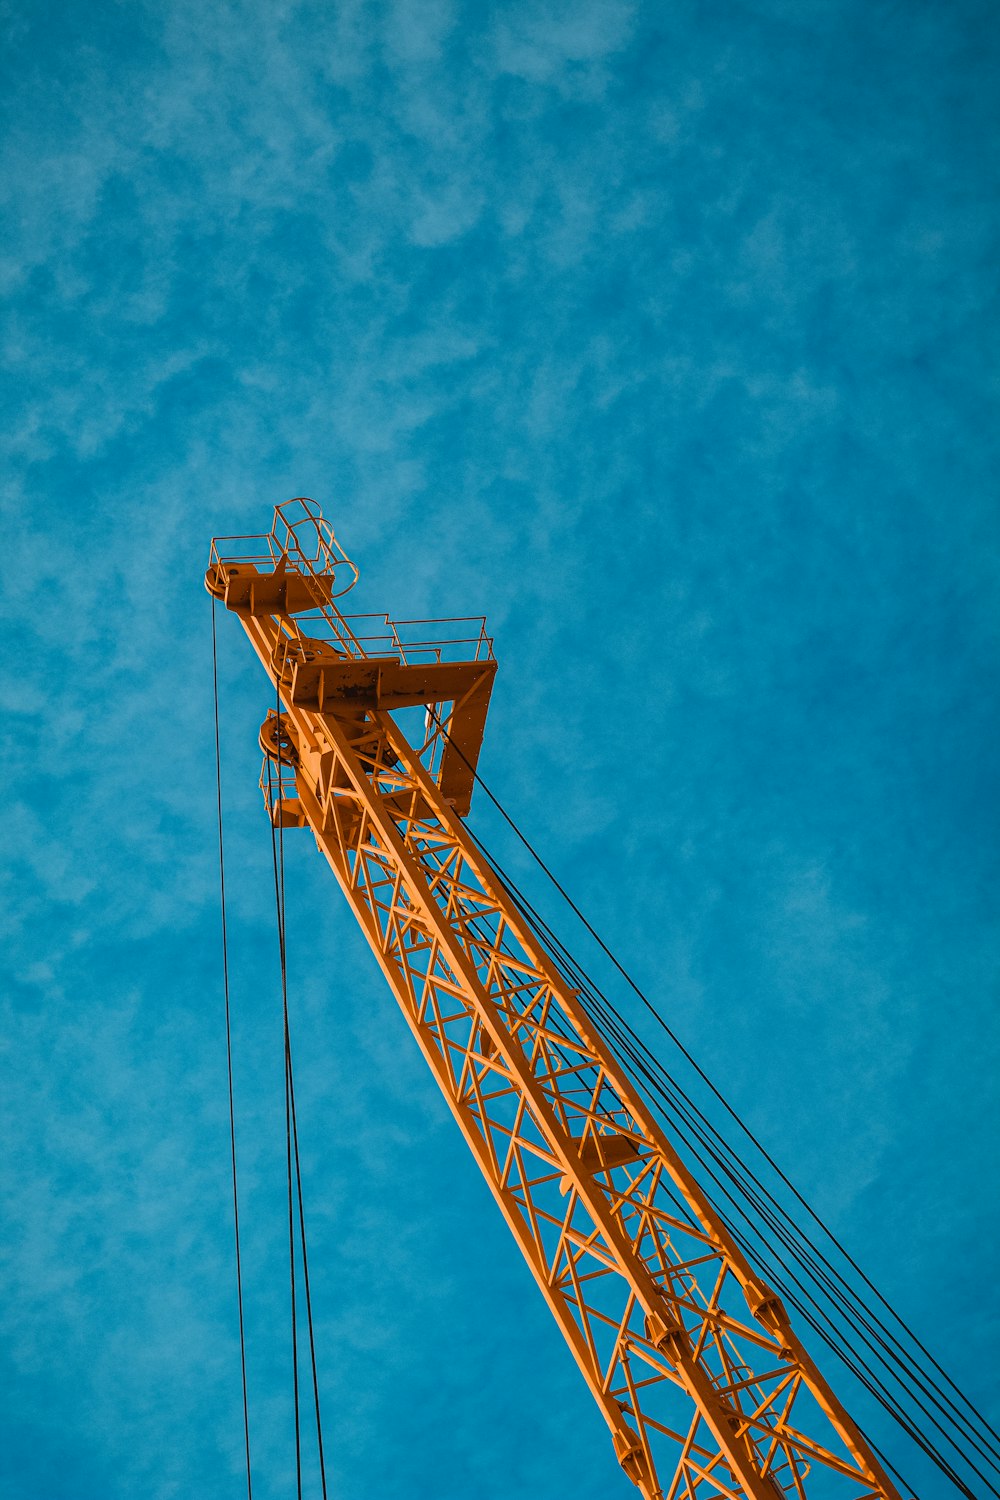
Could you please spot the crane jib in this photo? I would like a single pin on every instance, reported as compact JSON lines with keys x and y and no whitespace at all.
{"x":690,"y":1356}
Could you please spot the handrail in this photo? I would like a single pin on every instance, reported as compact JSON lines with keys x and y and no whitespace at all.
{"x":306,"y":542}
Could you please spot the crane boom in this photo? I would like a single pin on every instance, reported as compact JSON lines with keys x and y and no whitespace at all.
{"x":694,"y":1364}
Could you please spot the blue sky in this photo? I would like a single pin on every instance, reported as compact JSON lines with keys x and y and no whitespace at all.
{"x":660,"y":334}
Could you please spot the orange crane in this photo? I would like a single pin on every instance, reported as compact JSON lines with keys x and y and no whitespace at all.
{"x":690,"y":1356}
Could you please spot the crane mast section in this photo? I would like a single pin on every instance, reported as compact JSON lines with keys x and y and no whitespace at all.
{"x":689,"y":1356}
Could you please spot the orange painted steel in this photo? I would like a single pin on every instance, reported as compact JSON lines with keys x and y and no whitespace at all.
{"x":691,"y":1359}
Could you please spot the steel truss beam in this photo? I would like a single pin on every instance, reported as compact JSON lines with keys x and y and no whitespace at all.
{"x":703,"y":1383}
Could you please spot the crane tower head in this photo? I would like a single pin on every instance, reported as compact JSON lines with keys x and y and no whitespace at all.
{"x":300,"y":555}
{"x":284,"y":585}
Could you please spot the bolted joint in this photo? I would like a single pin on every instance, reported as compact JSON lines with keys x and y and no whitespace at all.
{"x":767,"y":1307}
{"x":630,"y":1454}
{"x":667,"y":1334}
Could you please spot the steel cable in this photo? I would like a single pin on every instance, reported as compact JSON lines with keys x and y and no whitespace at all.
{"x":907,"y":1369}
{"x":291,"y":1121}
{"x":229,"y":1057}
{"x":279,"y":905}
{"x":831,"y":1335}
{"x":720,"y":1097}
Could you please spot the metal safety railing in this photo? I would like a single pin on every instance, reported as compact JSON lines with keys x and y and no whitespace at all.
{"x":306,"y":542}
{"x":415,"y":642}
{"x":301,"y":536}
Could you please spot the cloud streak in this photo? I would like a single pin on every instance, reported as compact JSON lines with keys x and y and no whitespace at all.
{"x":661,"y":340}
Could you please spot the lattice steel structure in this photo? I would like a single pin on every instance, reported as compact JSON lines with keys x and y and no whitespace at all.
{"x":692,"y":1360}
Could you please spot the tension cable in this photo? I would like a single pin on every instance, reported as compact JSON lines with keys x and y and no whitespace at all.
{"x":695,"y":1126}
{"x":293,"y":1162}
{"x":229,"y":1056}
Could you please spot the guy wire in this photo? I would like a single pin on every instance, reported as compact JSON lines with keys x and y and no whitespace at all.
{"x":229,"y":1055}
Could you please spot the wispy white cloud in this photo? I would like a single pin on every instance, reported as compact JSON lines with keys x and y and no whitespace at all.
{"x":661,"y":342}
